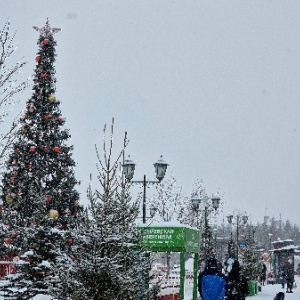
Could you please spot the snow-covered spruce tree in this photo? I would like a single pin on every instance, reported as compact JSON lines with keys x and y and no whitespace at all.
{"x":198,"y":215}
{"x":41,"y":161}
{"x":251,"y":266}
{"x":10,"y":86}
{"x":231,"y":248}
{"x":189,"y":214}
{"x":39,"y":196}
{"x":106,"y":261}
{"x":36,"y":247}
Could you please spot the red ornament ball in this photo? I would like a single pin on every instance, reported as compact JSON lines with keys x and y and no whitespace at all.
{"x":46,"y":42}
{"x":14,"y":234}
{"x":7,"y":241}
{"x":32,"y":149}
{"x":56,"y":150}
{"x":70,"y":241}
{"x":31,"y":108}
{"x":60,"y":120}
{"x":47,"y":117}
{"x":38,"y":59}
{"x":46,"y":149}
{"x":43,"y":75}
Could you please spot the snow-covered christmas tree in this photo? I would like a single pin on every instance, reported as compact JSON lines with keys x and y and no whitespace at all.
{"x":106,"y":261}
{"x":41,"y":160}
{"x":251,"y":266}
{"x":38,"y":188}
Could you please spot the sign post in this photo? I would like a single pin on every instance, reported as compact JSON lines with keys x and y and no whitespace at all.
{"x":167,"y":238}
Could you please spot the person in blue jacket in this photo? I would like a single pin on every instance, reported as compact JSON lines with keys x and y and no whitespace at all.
{"x":212,"y":282}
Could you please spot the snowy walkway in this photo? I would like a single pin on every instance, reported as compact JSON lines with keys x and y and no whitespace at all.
{"x":269,"y":291}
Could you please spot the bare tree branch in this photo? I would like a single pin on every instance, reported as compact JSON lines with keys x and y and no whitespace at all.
{"x":9,"y":87}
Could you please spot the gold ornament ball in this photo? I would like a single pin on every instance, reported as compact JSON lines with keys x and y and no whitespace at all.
{"x":52,"y":99}
{"x":9,"y":199}
{"x":53,"y":214}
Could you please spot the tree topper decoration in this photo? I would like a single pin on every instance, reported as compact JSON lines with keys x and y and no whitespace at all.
{"x":46,"y":30}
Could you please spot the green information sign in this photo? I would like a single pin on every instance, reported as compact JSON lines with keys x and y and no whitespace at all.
{"x":169,"y":238}
{"x":174,"y":239}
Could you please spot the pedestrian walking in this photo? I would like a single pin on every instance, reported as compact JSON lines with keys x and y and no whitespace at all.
{"x":289,"y":276}
{"x":211,"y":282}
{"x":263,"y":274}
{"x":237,"y":284}
{"x":281,"y":275}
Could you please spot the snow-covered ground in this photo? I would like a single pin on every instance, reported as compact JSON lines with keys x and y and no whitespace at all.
{"x":40,"y":297}
{"x":269,"y":291}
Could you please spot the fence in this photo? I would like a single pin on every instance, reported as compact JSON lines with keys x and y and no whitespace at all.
{"x":6,"y":267}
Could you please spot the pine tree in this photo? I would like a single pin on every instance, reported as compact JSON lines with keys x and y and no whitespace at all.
{"x":41,"y":160}
{"x":35,"y":246}
{"x":231,"y":248}
{"x":198,"y":215}
{"x":39,"y":197}
{"x":251,"y":266}
{"x":106,"y":261}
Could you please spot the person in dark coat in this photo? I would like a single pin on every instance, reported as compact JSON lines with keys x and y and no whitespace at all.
{"x":237,"y":284}
{"x":263,"y":274}
{"x":289,"y":276}
{"x":279,"y":296}
{"x":211,"y":282}
{"x":281,"y":275}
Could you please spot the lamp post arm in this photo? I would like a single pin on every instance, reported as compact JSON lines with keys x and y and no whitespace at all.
{"x":144,"y":183}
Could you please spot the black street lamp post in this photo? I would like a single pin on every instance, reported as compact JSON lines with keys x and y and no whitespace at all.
{"x":270,"y":240}
{"x":238,"y":220}
{"x":160,"y":170}
{"x":208,"y":203}
{"x":270,"y":251}
{"x":215,"y":236}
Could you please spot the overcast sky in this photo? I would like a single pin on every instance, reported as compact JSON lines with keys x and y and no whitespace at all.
{"x":214,"y":86}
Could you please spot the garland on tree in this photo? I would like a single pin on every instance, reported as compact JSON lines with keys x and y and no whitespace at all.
{"x":41,"y":161}
{"x":39,"y":200}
